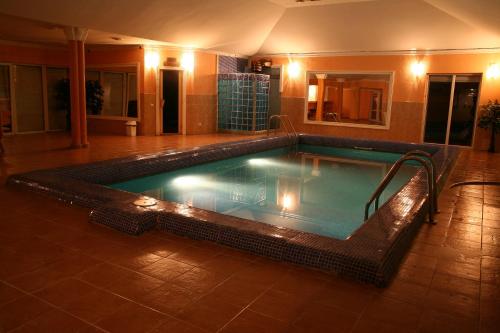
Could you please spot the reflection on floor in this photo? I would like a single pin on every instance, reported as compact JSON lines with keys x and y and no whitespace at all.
{"x":59,"y":273}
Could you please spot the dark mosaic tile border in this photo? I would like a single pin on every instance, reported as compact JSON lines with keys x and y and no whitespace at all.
{"x":372,"y":254}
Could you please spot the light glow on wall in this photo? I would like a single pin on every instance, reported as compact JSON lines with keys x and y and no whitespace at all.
{"x":288,"y":202}
{"x":190,"y":182}
{"x":151,"y":59}
{"x":293,"y":69}
{"x":187,"y":61}
{"x":493,"y":71}
{"x":418,"y":68}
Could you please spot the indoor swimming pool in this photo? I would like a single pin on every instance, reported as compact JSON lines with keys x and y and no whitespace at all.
{"x":320,"y":190}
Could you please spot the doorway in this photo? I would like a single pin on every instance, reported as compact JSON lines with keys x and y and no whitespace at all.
{"x":274,"y":92}
{"x":451,"y":109}
{"x":170,"y":101}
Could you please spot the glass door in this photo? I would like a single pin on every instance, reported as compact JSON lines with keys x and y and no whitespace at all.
{"x":29,"y":99}
{"x":451,"y":109}
{"x":5,"y":99}
{"x":464,"y":109}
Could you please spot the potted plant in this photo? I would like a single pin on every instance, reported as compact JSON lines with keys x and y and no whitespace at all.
{"x":490,"y":119}
{"x":94,"y":95}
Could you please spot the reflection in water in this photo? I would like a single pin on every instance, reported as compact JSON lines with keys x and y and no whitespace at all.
{"x":318,"y":189}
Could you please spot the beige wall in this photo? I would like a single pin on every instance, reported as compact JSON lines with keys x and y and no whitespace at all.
{"x":200,"y":84}
{"x":407,"y":112}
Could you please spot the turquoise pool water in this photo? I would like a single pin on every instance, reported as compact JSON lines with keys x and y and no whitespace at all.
{"x":321,"y":190}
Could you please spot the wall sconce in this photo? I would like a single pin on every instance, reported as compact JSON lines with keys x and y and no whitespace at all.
{"x":293,"y":69}
{"x":151,"y":59}
{"x":418,"y":68}
{"x":493,"y":71}
{"x":187,"y":61}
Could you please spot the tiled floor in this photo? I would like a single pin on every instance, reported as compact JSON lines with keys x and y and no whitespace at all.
{"x":58,"y":273}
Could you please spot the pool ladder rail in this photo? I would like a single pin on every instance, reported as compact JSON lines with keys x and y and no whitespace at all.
{"x":425,"y":159}
{"x":290,"y":131}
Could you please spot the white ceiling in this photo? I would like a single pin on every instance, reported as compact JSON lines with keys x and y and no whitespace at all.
{"x":385,"y":25}
{"x":248,"y":27}
{"x":25,"y":30}
{"x":303,"y":3}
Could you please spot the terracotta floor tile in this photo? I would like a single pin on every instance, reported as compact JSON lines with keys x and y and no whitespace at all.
{"x":303,"y":283}
{"x":319,"y":318}
{"x":8,"y":294}
{"x":491,"y":223}
{"x":95,"y":305}
{"x":394,"y":312}
{"x":166,"y":269}
{"x":65,"y":292}
{"x":435,"y":321}
{"x":20,"y":311}
{"x":491,"y":250}
{"x":440,"y":275}
{"x":132,"y":318}
{"x":263,"y":273}
{"x":279,"y":305}
{"x":251,"y":322}
{"x":162,"y":247}
{"x":406,"y":291}
{"x":170,"y":298}
{"x":225,"y":264}
{"x":199,"y":280}
{"x":454,"y":284}
{"x":52,"y":273}
{"x":416,"y":261}
{"x":238,"y":291}
{"x":371,"y":326}
{"x":210,"y":313}
{"x":17,"y":264}
{"x":82,"y":300}
{"x":104,"y":274}
{"x":491,"y":236}
{"x":464,"y":270}
{"x":136,"y":259}
{"x":53,"y":321}
{"x":177,"y":326}
{"x":345,"y":295}
{"x":420,"y":276}
{"x":193,"y":255}
{"x":490,"y":292}
{"x":134,"y":286}
{"x":453,"y":303}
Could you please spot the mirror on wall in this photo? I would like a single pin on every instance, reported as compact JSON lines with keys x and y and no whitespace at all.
{"x":112,"y":91}
{"x":348,"y":98}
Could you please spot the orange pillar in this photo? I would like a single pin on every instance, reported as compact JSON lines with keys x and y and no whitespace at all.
{"x":76,"y":139}
{"x":76,"y":38}
{"x":321,"y":96}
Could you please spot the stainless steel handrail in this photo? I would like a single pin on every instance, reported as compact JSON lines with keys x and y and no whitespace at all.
{"x":390,"y":175}
{"x":290,"y":131}
{"x":434,"y":173}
